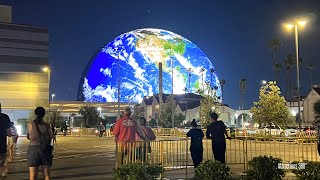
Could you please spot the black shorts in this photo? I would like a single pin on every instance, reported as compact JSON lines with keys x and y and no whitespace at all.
{"x":36,"y":158}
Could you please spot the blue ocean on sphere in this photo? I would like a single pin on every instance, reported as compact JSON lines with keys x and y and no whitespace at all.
{"x":137,"y":54}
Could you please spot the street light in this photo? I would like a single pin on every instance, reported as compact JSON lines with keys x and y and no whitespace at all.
{"x":47,"y":70}
{"x":52,"y":96}
{"x":99,"y":109}
{"x":263,"y":82}
{"x":289,"y":26}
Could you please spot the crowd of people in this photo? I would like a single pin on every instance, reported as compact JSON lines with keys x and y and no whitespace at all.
{"x":126,"y":130}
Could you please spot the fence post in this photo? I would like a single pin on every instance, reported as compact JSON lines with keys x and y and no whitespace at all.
{"x":186,"y":159}
{"x":244,"y":143}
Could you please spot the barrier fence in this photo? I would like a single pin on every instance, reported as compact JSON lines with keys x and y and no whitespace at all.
{"x":174,"y":154}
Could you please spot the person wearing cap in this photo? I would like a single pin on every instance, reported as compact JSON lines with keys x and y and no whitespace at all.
{"x":125,"y":131}
{"x":196,"y":147}
{"x":216,"y":131}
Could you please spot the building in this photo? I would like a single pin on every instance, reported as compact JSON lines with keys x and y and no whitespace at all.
{"x":23,"y":55}
{"x":187,"y":104}
{"x":308,"y":114}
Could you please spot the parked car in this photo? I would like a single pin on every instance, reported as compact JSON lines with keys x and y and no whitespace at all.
{"x":274,"y":130}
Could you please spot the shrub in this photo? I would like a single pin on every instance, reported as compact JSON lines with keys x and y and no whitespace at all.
{"x":264,"y":168}
{"x":311,"y":171}
{"x":138,"y":171}
{"x":212,"y":170}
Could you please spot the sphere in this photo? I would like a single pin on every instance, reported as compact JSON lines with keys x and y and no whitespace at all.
{"x":133,"y":59}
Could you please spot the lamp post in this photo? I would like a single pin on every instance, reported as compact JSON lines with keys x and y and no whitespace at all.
{"x":47,"y":70}
{"x":52,"y":96}
{"x":295,"y":25}
{"x":172,"y":107}
{"x":99,"y":109}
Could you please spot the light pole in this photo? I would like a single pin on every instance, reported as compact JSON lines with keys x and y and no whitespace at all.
{"x":47,"y":70}
{"x":52,"y":96}
{"x":99,"y":109}
{"x":118,"y":82}
{"x":295,"y":25}
{"x":172,"y":107}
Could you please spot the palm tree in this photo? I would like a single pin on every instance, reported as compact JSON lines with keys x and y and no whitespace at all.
{"x":189,"y":78}
{"x":201,"y":71}
{"x":243,"y":87}
{"x":311,"y":68}
{"x":289,"y":62}
{"x":222,"y":83}
{"x":277,"y":69}
{"x":275,"y":46}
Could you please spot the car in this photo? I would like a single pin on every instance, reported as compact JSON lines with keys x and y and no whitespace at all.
{"x":274,"y":130}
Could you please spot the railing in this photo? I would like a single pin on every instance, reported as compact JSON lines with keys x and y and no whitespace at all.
{"x":175,"y":154}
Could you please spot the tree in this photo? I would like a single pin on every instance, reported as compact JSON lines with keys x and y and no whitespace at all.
{"x":311,"y":68}
{"x":242,"y":87}
{"x":316,"y":109}
{"x":271,"y":107}
{"x":178,"y":119}
{"x":90,"y":116}
{"x":277,"y":69}
{"x":275,"y":47}
{"x":153,"y":123}
{"x":208,"y":104}
{"x":289,"y":62}
{"x":56,"y":118}
{"x":138,"y":112}
{"x":166,"y":112}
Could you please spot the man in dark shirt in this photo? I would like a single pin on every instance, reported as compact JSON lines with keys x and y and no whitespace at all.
{"x":4,"y":132}
{"x":216,"y":131}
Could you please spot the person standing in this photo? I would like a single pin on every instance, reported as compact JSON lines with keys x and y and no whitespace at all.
{"x":39,"y":152}
{"x":101,"y":129}
{"x":108,"y":130}
{"x":216,"y":131}
{"x":54,"y":132}
{"x":145,"y":147}
{"x":12,"y":141}
{"x":4,"y":132}
{"x":124,"y":132}
{"x":196,"y":147}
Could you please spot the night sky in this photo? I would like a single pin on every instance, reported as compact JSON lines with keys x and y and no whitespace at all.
{"x":235,"y":35}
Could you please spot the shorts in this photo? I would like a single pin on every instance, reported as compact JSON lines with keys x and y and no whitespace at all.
{"x":36,"y":158}
{"x":3,"y":159}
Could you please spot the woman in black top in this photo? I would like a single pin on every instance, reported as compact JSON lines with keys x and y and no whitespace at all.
{"x":196,"y":147}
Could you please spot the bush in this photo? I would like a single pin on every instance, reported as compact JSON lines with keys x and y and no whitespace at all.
{"x":138,"y":171}
{"x":212,"y":170}
{"x":264,"y":168}
{"x":311,"y":171}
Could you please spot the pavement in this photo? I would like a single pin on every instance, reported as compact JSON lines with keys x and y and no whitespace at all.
{"x":85,"y":158}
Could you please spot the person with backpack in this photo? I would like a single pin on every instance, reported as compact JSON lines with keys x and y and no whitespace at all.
{"x":40,"y":151}
{"x":145,"y":147}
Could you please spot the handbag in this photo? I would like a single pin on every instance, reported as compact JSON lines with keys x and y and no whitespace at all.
{"x":45,"y":147}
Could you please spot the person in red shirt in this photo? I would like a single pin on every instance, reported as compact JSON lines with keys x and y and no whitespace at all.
{"x":125,"y":131}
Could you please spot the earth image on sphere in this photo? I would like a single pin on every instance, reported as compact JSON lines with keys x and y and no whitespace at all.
{"x":137,"y":54}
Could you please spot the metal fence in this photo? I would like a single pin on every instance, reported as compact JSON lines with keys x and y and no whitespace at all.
{"x":174,"y":153}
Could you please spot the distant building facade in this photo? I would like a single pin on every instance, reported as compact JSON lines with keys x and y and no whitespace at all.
{"x":308,"y":114}
{"x":23,"y":54}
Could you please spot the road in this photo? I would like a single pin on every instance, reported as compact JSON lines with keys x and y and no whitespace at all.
{"x":93,"y":157}
{"x":74,"y":158}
